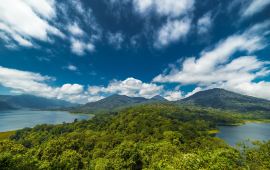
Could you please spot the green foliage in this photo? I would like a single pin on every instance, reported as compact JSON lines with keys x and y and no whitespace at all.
{"x":6,"y":135}
{"x":156,"y":136}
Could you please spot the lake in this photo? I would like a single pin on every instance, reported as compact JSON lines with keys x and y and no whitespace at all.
{"x":18,"y":119}
{"x":250,"y":131}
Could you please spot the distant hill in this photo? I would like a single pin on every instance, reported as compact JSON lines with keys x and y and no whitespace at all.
{"x":31,"y":102}
{"x":223,"y":99}
{"x":5,"y":106}
{"x":115,"y":102}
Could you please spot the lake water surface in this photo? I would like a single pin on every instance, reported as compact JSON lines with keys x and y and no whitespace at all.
{"x":18,"y":119}
{"x":250,"y":131}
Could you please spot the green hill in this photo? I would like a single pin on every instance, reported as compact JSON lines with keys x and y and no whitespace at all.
{"x":223,"y":99}
{"x":155,"y":136}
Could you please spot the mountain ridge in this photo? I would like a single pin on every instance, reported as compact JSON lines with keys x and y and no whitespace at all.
{"x":115,"y":102}
{"x":215,"y":98}
{"x":224,"y":99}
{"x":26,"y":101}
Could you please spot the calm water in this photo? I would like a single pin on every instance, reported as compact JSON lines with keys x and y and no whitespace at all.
{"x":18,"y":119}
{"x":250,"y":131}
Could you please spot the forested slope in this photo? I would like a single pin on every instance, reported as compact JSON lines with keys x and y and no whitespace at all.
{"x":143,"y":137}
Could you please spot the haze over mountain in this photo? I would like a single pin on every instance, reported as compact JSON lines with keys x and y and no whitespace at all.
{"x":224,"y":99}
{"x":31,"y":102}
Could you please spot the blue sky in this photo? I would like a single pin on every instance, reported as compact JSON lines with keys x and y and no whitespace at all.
{"x":85,"y":50}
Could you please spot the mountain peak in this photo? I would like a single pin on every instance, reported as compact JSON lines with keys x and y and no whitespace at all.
{"x":224,"y":99}
{"x":158,"y":98}
{"x":117,"y":96}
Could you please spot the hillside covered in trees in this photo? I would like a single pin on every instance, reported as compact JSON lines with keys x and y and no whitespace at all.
{"x":214,"y":98}
{"x":156,"y":136}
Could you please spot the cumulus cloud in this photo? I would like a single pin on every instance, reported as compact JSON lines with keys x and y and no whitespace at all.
{"x":71,"y":89}
{"x":172,"y":31}
{"x":75,"y":30}
{"x":36,"y":84}
{"x":204,"y":23}
{"x":216,"y":68}
{"x":80,"y":47}
{"x":170,"y":8}
{"x":130,"y":87}
{"x":80,"y":41}
{"x":173,"y":95}
{"x":26,"y":20}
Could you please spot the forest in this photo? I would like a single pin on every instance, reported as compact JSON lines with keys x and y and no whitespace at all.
{"x":150,"y":137}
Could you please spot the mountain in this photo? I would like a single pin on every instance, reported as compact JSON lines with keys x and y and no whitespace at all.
{"x":223,"y":99}
{"x":157,"y":98}
{"x":108,"y":104}
{"x":115,"y":102}
{"x":5,"y":106}
{"x":31,"y":102}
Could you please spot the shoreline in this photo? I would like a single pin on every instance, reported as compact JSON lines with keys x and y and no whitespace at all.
{"x":7,"y":134}
{"x":258,"y":121}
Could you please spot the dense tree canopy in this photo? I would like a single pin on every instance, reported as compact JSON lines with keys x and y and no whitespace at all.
{"x":142,"y":137}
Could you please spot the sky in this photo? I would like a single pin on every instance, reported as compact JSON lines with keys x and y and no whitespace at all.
{"x":85,"y":50}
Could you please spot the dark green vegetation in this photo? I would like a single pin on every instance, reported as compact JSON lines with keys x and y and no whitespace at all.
{"x":8,"y":102}
{"x":223,"y":99}
{"x":5,"y":106}
{"x":6,"y":135}
{"x":153,"y":136}
{"x":115,"y":103}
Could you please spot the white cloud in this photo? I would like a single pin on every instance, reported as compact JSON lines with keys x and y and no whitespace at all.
{"x":143,"y":5}
{"x":27,"y":20}
{"x":36,"y":84}
{"x":83,"y":29}
{"x":116,"y":39}
{"x":173,"y":95}
{"x":172,"y":31}
{"x":260,"y":89}
{"x":196,"y":90}
{"x":22,"y":80}
{"x":71,"y":67}
{"x":75,"y":30}
{"x":19,"y":81}
{"x":71,"y":89}
{"x":45,"y":8}
{"x":130,"y":87}
{"x":216,"y":68}
{"x":204,"y":23}
{"x":79,"y":47}
{"x":172,"y":8}
{"x":254,"y":7}
{"x":9,"y":33}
